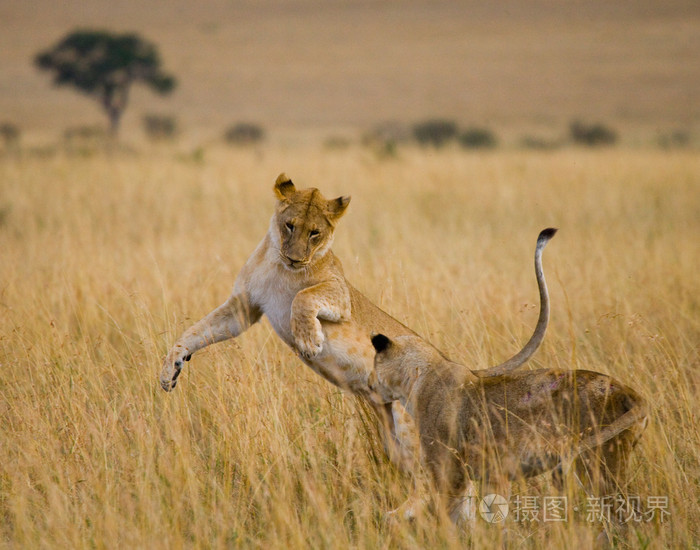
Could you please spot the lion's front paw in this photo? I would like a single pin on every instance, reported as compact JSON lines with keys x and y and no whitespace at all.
{"x":172,"y":366}
{"x":308,"y":338}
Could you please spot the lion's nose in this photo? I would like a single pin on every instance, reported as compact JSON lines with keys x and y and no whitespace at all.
{"x":294,"y":262}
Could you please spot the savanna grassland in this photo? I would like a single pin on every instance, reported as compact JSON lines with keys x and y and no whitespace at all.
{"x":106,"y":259}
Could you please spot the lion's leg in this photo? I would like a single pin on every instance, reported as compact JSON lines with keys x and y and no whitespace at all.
{"x":604,"y":469}
{"x":398,"y":435}
{"x":328,"y":301}
{"x":602,"y":473}
{"x":226,"y":321}
{"x":441,"y":484}
{"x":602,"y":457}
{"x":421,"y":496}
{"x":462,"y":507}
{"x":405,"y":438}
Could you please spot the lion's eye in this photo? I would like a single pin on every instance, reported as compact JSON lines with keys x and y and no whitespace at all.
{"x":290,"y":227}
{"x":314,"y":234}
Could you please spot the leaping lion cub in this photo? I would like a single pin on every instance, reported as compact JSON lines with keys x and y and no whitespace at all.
{"x":501,"y":428}
{"x":294,"y":278}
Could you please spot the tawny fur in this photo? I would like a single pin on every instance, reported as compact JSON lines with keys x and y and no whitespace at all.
{"x":517,"y":425}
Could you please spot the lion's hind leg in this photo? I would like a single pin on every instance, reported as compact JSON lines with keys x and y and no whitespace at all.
{"x":603,"y":456}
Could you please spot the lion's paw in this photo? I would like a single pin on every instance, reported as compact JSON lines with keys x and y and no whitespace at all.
{"x":172,"y":366}
{"x":308,"y":338}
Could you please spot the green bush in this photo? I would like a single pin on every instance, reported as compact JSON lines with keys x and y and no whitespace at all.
{"x":591,"y":134}
{"x":435,"y":133}
{"x":9,"y":134}
{"x":244,"y":133}
{"x":677,"y":139}
{"x":478,"y":138}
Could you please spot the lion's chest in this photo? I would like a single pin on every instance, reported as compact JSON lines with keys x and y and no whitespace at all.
{"x":275,"y":296}
{"x":347,"y":354}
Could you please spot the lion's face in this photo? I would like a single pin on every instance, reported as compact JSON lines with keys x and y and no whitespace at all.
{"x":397,"y":364}
{"x":304,"y":223}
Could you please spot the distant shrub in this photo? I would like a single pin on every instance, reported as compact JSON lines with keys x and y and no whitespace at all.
{"x":591,"y":134}
{"x":9,"y":134}
{"x":436,"y":133}
{"x":677,"y":139}
{"x":244,"y":133}
{"x":478,"y":138}
{"x":385,"y":138}
{"x":387,"y":133}
{"x":160,"y":127}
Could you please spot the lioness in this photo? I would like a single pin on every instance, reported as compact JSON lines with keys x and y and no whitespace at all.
{"x":500,"y":428}
{"x":294,"y":278}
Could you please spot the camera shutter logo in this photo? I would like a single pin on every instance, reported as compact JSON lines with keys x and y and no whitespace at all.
{"x":493,"y":508}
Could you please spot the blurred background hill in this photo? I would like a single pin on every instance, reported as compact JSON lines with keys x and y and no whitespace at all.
{"x":322,"y":66}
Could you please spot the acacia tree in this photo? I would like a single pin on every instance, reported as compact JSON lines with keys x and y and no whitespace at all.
{"x":104,"y":65}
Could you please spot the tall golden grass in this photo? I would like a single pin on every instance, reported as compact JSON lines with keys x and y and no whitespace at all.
{"x":105,"y":260}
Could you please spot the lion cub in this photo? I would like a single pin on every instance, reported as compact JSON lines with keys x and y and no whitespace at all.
{"x":501,"y":428}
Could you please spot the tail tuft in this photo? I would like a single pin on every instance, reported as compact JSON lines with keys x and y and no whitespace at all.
{"x":547,"y":234}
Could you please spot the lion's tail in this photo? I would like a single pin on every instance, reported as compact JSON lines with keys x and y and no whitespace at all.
{"x":530,"y":348}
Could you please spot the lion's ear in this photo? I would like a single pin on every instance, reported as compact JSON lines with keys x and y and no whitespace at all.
{"x":336,"y":207}
{"x":284,"y":188}
{"x":380,"y":342}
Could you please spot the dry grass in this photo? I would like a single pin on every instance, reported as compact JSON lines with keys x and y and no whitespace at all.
{"x":106,"y":260}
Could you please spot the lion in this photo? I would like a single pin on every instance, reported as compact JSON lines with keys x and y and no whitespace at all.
{"x":493,"y":430}
{"x":294,"y":279}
